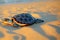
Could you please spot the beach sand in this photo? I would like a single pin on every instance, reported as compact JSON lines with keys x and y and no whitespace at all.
{"x":48,"y":30}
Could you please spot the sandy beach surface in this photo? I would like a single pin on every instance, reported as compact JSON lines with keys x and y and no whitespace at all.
{"x":49,"y":11}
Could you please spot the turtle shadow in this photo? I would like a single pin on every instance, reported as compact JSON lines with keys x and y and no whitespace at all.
{"x":56,"y":27}
{"x":37,"y":28}
{"x":47,"y":17}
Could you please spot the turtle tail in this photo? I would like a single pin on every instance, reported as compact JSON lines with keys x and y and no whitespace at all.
{"x":39,"y":21}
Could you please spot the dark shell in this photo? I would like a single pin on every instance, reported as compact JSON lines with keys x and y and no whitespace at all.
{"x":24,"y":18}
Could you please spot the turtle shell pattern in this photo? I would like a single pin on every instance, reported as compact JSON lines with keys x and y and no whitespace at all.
{"x":24,"y":18}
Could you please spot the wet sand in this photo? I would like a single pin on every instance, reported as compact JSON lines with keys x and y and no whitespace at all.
{"x":48,"y":11}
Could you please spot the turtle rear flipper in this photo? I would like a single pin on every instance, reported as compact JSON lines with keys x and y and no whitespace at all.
{"x":39,"y":21}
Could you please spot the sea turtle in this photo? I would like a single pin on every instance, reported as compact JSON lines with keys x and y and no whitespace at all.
{"x":23,"y":19}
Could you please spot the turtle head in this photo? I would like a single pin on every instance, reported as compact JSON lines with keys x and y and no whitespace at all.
{"x":6,"y":21}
